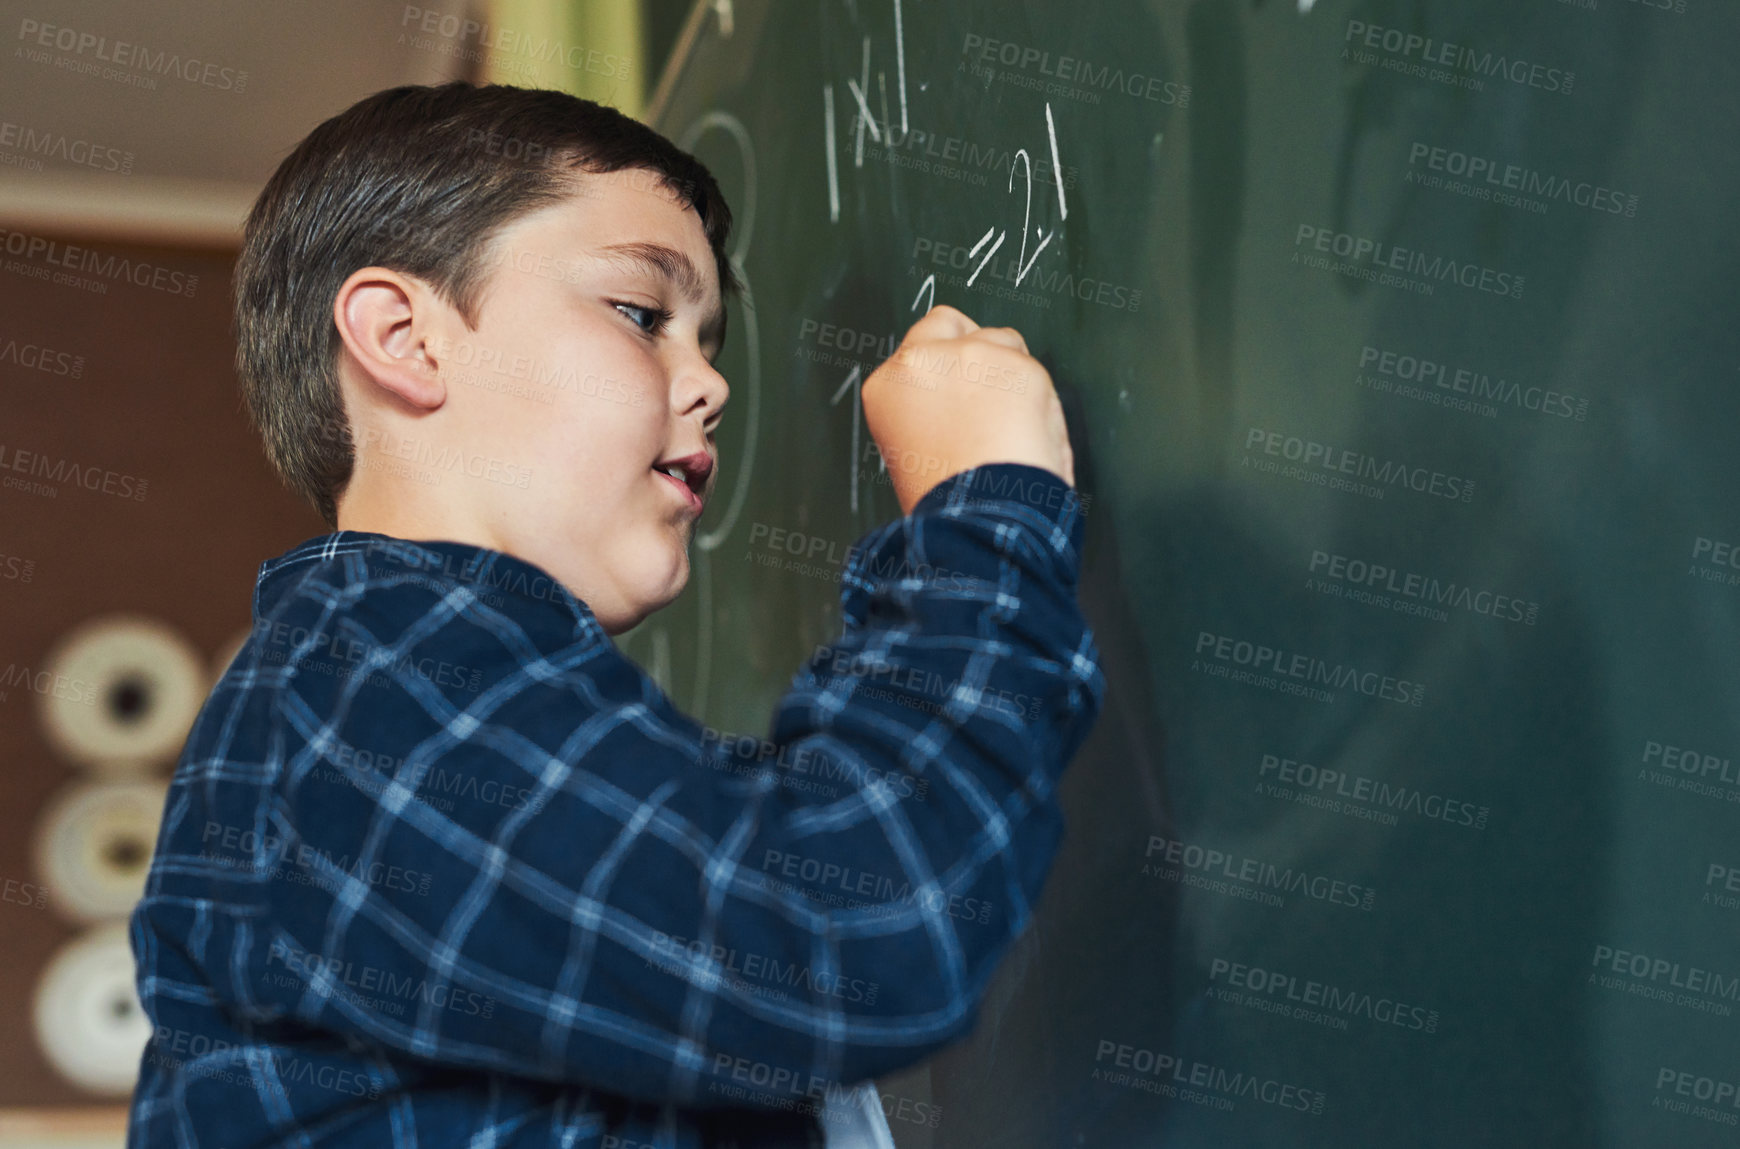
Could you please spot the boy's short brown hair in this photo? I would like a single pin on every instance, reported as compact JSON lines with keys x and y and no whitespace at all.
{"x":418,"y":179}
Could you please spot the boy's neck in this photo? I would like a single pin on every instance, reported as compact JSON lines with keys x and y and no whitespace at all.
{"x":409,"y":519}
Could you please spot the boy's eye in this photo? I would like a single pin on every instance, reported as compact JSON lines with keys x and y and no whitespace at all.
{"x":658,"y":316}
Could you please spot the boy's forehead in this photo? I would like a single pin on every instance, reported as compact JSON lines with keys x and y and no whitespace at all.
{"x":634,"y":199}
{"x":627,"y":214}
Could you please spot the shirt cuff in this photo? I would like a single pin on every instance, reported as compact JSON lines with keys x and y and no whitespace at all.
{"x":1021,"y":492}
{"x":996,"y":494}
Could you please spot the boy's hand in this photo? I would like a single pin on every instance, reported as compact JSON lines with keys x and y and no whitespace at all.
{"x":955,"y":396}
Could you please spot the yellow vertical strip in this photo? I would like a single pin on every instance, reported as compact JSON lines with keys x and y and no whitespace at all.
{"x":615,"y":26}
{"x":589,"y":48}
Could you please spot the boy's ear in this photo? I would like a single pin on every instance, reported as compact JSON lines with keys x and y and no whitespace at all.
{"x":388,"y":324}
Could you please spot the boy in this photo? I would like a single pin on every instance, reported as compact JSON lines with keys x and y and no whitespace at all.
{"x":439,"y":866}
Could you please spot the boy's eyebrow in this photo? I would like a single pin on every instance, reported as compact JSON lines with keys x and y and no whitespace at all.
{"x":675,"y":268}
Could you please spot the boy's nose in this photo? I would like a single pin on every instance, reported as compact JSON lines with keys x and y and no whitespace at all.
{"x":701,"y":390}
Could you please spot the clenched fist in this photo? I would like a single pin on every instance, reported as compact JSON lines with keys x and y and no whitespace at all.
{"x":955,"y":396}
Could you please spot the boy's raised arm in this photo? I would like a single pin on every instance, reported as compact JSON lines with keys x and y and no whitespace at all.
{"x":663,"y":914}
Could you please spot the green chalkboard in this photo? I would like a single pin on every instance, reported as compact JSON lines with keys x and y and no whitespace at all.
{"x":1399,"y":341}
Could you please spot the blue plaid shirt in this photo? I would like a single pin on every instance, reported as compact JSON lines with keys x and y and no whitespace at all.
{"x":440,"y":866}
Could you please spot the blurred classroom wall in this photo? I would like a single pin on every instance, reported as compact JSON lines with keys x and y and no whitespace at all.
{"x":137,"y":504}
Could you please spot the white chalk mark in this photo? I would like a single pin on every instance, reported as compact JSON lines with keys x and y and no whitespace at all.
{"x":863,"y":111}
{"x":751,"y":416}
{"x":742,"y":231}
{"x":929,"y":285}
{"x":703,"y":568}
{"x":900,"y":64}
{"x":1056,"y":167}
{"x":1305,"y":6}
{"x":983,"y":240}
{"x":1021,"y":272}
{"x":857,"y":414}
{"x":850,"y":385}
{"x":857,"y":370}
{"x":863,"y":108}
{"x":1022,"y":260}
{"x":882,"y":98}
{"x":722,"y":8}
{"x":833,"y":163}
{"x":987,"y":258}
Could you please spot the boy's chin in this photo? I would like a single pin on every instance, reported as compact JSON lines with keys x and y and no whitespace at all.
{"x":662,"y":587}
{"x":678,"y":581}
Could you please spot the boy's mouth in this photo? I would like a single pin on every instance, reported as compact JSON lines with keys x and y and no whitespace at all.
{"x":688,"y":474}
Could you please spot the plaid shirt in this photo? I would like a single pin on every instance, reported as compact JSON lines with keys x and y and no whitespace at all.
{"x":440,"y":866}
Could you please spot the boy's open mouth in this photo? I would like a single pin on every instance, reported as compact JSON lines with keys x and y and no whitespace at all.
{"x":688,"y":474}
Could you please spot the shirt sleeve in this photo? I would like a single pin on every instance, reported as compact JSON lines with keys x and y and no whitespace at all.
{"x":615,"y":895}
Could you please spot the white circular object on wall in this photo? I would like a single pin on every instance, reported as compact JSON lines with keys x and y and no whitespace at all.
{"x":121,"y":694}
{"x":94,"y":845}
{"x":89,"y":1023}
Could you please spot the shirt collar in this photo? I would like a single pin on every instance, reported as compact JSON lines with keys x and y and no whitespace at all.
{"x":499,"y":580}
